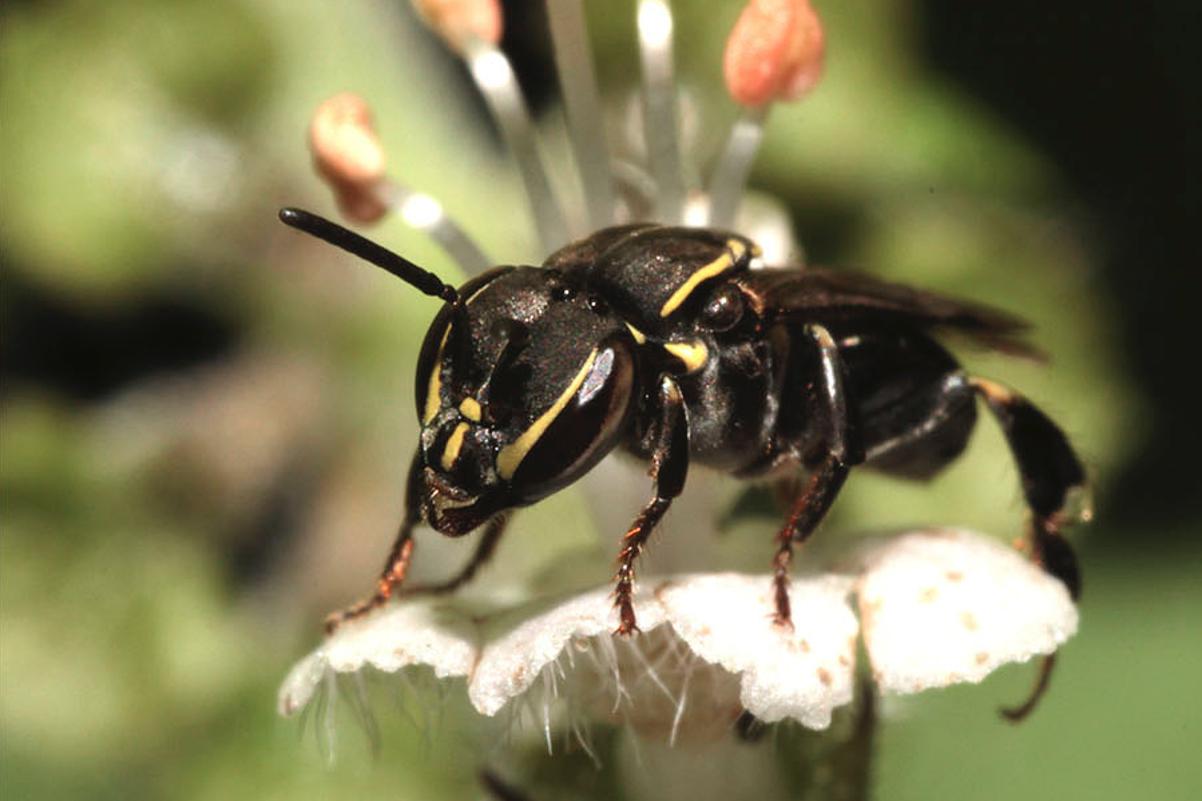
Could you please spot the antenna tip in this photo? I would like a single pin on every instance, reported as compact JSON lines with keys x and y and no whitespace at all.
{"x":348,"y":155}
{"x":458,"y":21}
{"x":290,"y":216}
{"x":775,"y":52}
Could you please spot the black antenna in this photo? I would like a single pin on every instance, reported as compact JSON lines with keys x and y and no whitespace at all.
{"x":423,"y":280}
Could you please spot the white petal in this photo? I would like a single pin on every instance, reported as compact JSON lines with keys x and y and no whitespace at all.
{"x":942,"y":607}
{"x":511,"y":661}
{"x":802,"y":674}
{"x":410,"y":633}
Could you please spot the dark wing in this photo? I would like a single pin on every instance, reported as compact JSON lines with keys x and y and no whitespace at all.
{"x":835,"y":296}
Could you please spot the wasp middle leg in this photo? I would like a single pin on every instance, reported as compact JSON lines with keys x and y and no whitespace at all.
{"x":826,"y":479}
{"x":669,"y":467}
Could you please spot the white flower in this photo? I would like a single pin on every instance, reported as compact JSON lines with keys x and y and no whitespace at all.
{"x":933,"y":608}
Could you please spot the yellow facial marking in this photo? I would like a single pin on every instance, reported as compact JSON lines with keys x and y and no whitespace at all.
{"x":470,"y":408}
{"x":638,"y":335}
{"x":734,"y":251}
{"x":454,"y":442}
{"x":512,"y":454}
{"x":693,"y":354}
{"x":434,"y":388}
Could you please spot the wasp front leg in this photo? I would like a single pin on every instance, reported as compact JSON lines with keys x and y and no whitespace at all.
{"x":669,"y":468}
{"x":826,"y":479}
{"x":484,"y":551}
{"x":398,"y":561}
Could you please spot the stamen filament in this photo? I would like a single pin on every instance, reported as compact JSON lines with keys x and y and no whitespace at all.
{"x":729,"y":178}
{"x":659,"y":107}
{"x":349,"y":157}
{"x":578,"y":83}
{"x":493,"y":75}
{"x":424,"y":213}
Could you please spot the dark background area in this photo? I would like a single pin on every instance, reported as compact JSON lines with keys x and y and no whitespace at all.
{"x":1110,"y":91}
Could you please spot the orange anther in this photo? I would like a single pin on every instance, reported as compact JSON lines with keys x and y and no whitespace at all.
{"x":774,"y":52}
{"x":348,"y":155}
{"x":458,"y":20}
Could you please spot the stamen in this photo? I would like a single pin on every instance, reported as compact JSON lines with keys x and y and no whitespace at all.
{"x":636,"y":190}
{"x":348,"y":155}
{"x":659,"y":107}
{"x":734,"y":165}
{"x":774,"y":52}
{"x":457,"y":21}
{"x":491,"y":71}
{"x":574,"y":60}
{"x":424,"y":213}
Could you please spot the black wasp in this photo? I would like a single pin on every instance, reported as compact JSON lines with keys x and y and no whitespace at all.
{"x":666,"y":342}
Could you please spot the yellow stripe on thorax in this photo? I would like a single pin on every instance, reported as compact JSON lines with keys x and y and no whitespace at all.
{"x":512,"y":454}
{"x":734,"y":252}
{"x":693,"y":353}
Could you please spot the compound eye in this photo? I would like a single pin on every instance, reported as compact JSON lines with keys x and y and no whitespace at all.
{"x":429,"y":366}
{"x":723,"y":310}
{"x":577,"y":431}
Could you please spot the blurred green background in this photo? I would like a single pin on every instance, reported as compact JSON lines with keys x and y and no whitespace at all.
{"x":205,"y":418}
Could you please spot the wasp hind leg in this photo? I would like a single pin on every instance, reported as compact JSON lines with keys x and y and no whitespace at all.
{"x":826,"y":478}
{"x":1050,"y":472}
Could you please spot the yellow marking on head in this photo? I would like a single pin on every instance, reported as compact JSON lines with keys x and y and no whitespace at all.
{"x":693,"y":354}
{"x":638,"y":335}
{"x":454,"y":442}
{"x":734,"y":251}
{"x":512,"y":454}
{"x":476,"y":294}
{"x":470,"y":408}
{"x":434,"y":388}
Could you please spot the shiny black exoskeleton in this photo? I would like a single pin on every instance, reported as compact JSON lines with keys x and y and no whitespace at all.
{"x":673,"y":344}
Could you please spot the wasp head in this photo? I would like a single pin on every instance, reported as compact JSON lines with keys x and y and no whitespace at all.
{"x":523,"y":384}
